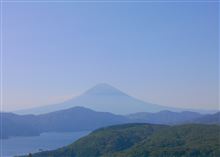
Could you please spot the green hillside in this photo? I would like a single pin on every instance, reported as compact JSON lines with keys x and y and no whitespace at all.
{"x":145,"y":140}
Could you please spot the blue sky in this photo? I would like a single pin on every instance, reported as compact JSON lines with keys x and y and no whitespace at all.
{"x":165,"y":53}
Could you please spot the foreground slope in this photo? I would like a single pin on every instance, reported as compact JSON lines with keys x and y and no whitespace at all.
{"x":145,"y":140}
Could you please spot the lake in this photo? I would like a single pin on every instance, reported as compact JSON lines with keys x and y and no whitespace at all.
{"x":46,"y":141}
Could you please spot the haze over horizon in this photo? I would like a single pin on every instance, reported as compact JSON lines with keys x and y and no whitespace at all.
{"x":164,"y":54}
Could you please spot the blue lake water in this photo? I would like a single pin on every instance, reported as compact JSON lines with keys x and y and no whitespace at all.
{"x":46,"y":141}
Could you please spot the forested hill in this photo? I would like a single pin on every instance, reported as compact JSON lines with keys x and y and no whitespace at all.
{"x":145,"y":140}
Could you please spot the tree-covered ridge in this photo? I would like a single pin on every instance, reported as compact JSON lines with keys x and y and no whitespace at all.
{"x":145,"y":140}
{"x":191,"y":140}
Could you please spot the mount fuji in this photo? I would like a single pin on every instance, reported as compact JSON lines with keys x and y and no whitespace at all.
{"x":104,"y":98}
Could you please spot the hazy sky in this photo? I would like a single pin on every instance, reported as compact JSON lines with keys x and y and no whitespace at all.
{"x":165,"y":53}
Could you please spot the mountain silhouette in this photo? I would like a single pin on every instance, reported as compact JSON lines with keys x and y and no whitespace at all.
{"x":69,"y":120}
{"x":103,"y":98}
{"x":166,"y":117}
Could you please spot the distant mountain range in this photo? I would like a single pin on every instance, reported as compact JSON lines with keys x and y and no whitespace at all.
{"x":73,"y":119}
{"x":80,"y":119}
{"x":173,"y":118}
{"x":103,"y":98}
{"x":208,"y":119}
{"x":145,"y":140}
{"x":165,"y":117}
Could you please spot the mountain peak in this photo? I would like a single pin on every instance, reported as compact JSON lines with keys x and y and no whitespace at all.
{"x":103,"y":88}
{"x":103,"y":85}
